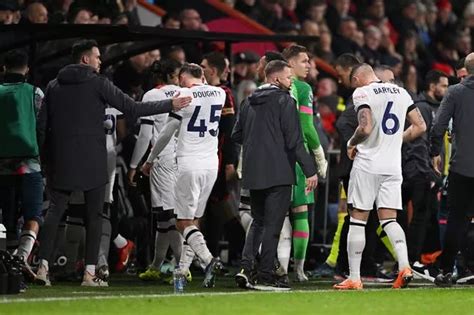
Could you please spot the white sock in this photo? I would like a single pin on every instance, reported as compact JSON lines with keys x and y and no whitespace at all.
{"x":162,"y":243}
{"x":284,"y":245}
{"x":355,"y":246}
{"x":195,"y":239}
{"x":27,"y":240}
{"x":187,"y":257}
{"x":44,"y":263}
{"x":397,"y":238}
{"x":246,"y":220}
{"x":90,"y":269}
{"x":120,"y":241}
{"x":176,"y":243}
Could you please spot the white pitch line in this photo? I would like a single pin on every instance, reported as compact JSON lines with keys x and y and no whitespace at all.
{"x":161,"y":296}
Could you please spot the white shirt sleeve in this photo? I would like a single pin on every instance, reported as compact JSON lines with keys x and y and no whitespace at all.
{"x":360,"y":97}
{"x":143,"y":141}
{"x":172,"y":125}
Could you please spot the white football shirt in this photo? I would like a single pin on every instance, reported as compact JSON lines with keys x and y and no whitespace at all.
{"x":381,"y":153}
{"x":110,"y":127}
{"x":197,"y":139}
{"x":161,"y":93}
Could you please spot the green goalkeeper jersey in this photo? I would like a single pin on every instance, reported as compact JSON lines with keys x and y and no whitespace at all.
{"x":302,"y":93}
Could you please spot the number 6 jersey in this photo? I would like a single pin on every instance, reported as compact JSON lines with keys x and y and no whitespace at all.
{"x":197,"y":139}
{"x":381,"y":153}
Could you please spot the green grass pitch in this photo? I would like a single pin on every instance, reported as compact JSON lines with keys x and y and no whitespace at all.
{"x":126,"y":295}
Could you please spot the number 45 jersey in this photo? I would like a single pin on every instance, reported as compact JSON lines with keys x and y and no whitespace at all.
{"x":197,"y":139}
{"x":381,"y":153}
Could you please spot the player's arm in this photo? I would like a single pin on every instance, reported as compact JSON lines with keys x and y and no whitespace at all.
{"x":440,"y":125}
{"x":309,"y":131}
{"x":290,"y":126}
{"x":172,"y":125}
{"x":418,"y":125}
{"x":143,"y":141}
{"x":363,"y":130}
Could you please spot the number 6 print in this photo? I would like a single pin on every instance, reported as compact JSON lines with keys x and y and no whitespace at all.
{"x":390,"y":116}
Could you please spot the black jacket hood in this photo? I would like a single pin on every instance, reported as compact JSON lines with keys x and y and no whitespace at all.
{"x":261,"y":95}
{"x":469,"y":82}
{"x":76,"y":73}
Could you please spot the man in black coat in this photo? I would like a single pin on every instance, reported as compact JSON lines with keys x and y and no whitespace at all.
{"x":268,"y":127}
{"x":73,"y":146}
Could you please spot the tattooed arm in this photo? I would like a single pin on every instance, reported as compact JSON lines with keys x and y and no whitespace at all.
{"x":418,"y":125}
{"x":364,"y":116}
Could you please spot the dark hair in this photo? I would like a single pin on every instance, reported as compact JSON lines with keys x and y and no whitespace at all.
{"x":432,"y":77}
{"x":81,"y":47}
{"x":275,"y":66}
{"x":192,"y":69}
{"x":162,"y":69}
{"x":273,"y":55}
{"x":15,"y":59}
{"x":169,"y":16}
{"x":71,"y":16}
{"x":347,"y":61}
{"x":217,"y":60}
{"x":382,"y":68}
{"x":174,"y":48}
{"x":293,"y":51}
{"x":460,"y":64}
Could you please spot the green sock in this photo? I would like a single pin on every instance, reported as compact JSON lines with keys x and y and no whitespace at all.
{"x":300,"y":234}
{"x":332,"y":258}
{"x":386,"y":241}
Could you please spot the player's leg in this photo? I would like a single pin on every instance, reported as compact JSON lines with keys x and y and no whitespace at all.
{"x":58,"y":204}
{"x":300,"y":222}
{"x":362,"y":192}
{"x":31,"y":203}
{"x":94,"y":204}
{"x":389,"y":201}
{"x":328,"y":267}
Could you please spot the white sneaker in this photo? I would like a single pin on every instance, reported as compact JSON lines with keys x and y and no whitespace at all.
{"x":42,"y":276}
{"x":93,"y":281}
{"x":301,"y":276}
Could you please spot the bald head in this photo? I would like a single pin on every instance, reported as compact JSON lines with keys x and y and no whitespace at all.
{"x":362,"y":75}
{"x":37,"y":13}
{"x":469,"y":63}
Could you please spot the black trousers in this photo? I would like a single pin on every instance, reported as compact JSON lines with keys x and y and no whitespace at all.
{"x":419,"y":192}
{"x":93,"y":222}
{"x":269,"y":208}
{"x":461,"y":209}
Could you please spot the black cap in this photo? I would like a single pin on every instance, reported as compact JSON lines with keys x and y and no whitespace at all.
{"x":9,"y":5}
{"x":245,"y":57}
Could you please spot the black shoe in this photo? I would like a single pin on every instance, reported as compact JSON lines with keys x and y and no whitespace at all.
{"x":444,"y":280}
{"x":323,"y":271}
{"x":427,"y":272}
{"x":244,"y":280}
{"x":271,"y":285}
{"x":28,"y":273}
{"x":214,"y":267}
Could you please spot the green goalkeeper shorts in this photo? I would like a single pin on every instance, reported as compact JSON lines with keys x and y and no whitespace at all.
{"x":300,"y":197}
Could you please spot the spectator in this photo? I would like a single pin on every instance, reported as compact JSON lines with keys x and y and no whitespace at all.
{"x":310,"y":28}
{"x":20,"y":171}
{"x":336,"y":12}
{"x":384,"y":73}
{"x":36,"y":13}
{"x":461,"y":71}
{"x":191,"y":21}
{"x":406,"y":22}
{"x":409,"y":78}
{"x":170,"y":21}
{"x":343,"y":41}
{"x":6,"y":14}
{"x":326,"y":87}
{"x":463,"y":43}
{"x":370,"y":51}
{"x":177,"y":53}
{"x":447,"y":20}
{"x":247,"y":7}
{"x":422,"y":26}
{"x":375,"y":15}
{"x":79,"y":16}
{"x":288,"y":12}
{"x":60,"y":9}
{"x":316,"y":11}
{"x":77,"y":161}
{"x":270,"y":14}
{"x":323,"y":47}
{"x":130,"y":9}
{"x":131,"y":74}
